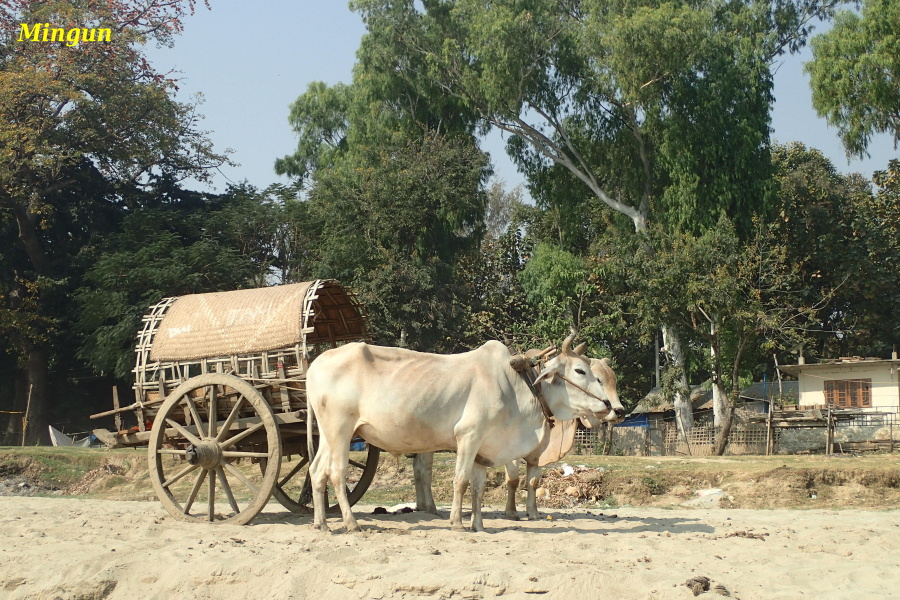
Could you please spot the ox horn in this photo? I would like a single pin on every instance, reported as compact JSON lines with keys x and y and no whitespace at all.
{"x":579,"y":349}
{"x":567,"y":343}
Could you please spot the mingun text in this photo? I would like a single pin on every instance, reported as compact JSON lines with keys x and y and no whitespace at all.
{"x":42,"y":32}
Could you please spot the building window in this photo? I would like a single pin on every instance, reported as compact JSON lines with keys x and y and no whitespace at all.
{"x":849,"y":393}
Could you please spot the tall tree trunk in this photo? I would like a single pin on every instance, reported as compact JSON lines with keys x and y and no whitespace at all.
{"x":718,"y":387}
{"x":725,"y":430}
{"x":684,"y":413}
{"x":38,"y":356}
{"x":39,"y":385}
{"x":13,"y":434}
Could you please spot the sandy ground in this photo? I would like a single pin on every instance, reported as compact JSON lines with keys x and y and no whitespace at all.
{"x":92,"y":549}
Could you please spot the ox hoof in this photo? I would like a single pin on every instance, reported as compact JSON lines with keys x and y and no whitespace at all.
{"x":462,"y":528}
{"x":512,"y":517}
{"x":321,"y":527}
{"x":352,"y":527}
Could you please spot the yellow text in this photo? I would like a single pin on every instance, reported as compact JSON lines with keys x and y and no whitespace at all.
{"x":42,"y":32}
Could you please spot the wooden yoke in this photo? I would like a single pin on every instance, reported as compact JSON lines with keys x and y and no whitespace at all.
{"x":525,"y":365}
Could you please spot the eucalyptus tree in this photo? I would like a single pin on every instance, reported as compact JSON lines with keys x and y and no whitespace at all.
{"x":659,"y":110}
{"x":394,"y":221}
{"x":854,"y":74}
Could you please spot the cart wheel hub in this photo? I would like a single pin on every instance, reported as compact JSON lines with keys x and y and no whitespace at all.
{"x":205,"y":454}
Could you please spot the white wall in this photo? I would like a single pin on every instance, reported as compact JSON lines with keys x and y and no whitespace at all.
{"x":885,"y":388}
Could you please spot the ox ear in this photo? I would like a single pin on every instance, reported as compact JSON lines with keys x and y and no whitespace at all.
{"x":605,"y":361}
{"x":579,"y":349}
{"x":548,"y":375}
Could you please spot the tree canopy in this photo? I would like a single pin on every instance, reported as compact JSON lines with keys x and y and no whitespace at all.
{"x":93,"y":112}
{"x":642,"y":130}
{"x":854,"y":74}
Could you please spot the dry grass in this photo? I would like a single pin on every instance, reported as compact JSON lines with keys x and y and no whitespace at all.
{"x":871,"y":481}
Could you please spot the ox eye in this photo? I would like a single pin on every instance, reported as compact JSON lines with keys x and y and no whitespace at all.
{"x":579,"y":371}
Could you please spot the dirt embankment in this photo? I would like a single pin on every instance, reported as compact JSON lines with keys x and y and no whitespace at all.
{"x":583,"y":482}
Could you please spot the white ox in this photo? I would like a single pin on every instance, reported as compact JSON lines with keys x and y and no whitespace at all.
{"x":561,"y":439}
{"x":473,"y":403}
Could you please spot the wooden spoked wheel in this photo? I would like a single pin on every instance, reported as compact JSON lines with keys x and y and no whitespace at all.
{"x":205,"y":433}
{"x":294,"y":491}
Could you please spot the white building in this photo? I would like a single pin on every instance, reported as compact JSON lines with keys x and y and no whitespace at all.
{"x":865,"y":383}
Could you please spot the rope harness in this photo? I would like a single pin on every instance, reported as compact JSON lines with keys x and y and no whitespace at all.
{"x":527,"y":368}
{"x":529,"y":376}
{"x":576,"y":386}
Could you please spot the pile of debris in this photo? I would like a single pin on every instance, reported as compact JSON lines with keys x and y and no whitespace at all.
{"x":569,"y":486}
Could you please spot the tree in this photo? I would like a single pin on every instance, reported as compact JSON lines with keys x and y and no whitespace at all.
{"x":501,"y":206}
{"x":395,"y":188}
{"x":740,"y":299}
{"x":393,"y":221}
{"x":95,"y":106}
{"x":842,"y":238}
{"x":171,"y":247}
{"x":588,"y":88}
{"x":854,"y":74}
{"x":320,"y":117}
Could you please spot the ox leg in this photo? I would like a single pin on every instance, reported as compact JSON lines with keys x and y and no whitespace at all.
{"x":422,"y":472}
{"x":460,"y":485}
{"x":512,"y":485}
{"x":318,"y":475}
{"x":479,"y":475}
{"x":533,"y":473}
{"x":340,"y":456}
{"x":465,"y":461}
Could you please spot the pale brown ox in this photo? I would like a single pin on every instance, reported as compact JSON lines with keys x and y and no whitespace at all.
{"x":473,"y":403}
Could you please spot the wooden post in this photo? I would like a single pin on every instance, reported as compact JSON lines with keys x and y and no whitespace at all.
{"x":118,"y":416}
{"x":770,"y":438}
{"x":25,"y":416}
{"x":829,"y":433}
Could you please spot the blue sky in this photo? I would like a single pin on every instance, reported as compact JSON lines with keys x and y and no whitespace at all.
{"x":250,"y":60}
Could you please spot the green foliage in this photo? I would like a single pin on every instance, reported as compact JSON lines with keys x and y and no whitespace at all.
{"x":854,"y":74}
{"x":648,"y":105}
{"x":494,"y":302}
{"x":161,"y":251}
{"x":843,"y":239}
{"x":95,"y":114}
{"x":393,"y":221}
{"x":742,"y":299}
{"x":320,"y":119}
{"x":554,"y":275}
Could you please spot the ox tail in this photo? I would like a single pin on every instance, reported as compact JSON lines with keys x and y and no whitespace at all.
{"x":310,"y":425}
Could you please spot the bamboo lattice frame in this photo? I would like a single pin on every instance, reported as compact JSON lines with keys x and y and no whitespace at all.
{"x":266,"y":336}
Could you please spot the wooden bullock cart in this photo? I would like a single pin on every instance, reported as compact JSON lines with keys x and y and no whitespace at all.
{"x":220,"y":399}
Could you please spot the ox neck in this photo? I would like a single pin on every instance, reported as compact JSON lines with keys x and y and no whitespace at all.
{"x":529,"y":376}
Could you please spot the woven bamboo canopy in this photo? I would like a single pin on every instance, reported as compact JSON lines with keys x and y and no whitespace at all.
{"x":256,"y":320}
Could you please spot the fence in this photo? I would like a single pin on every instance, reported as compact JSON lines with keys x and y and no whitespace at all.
{"x":862,"y":433}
